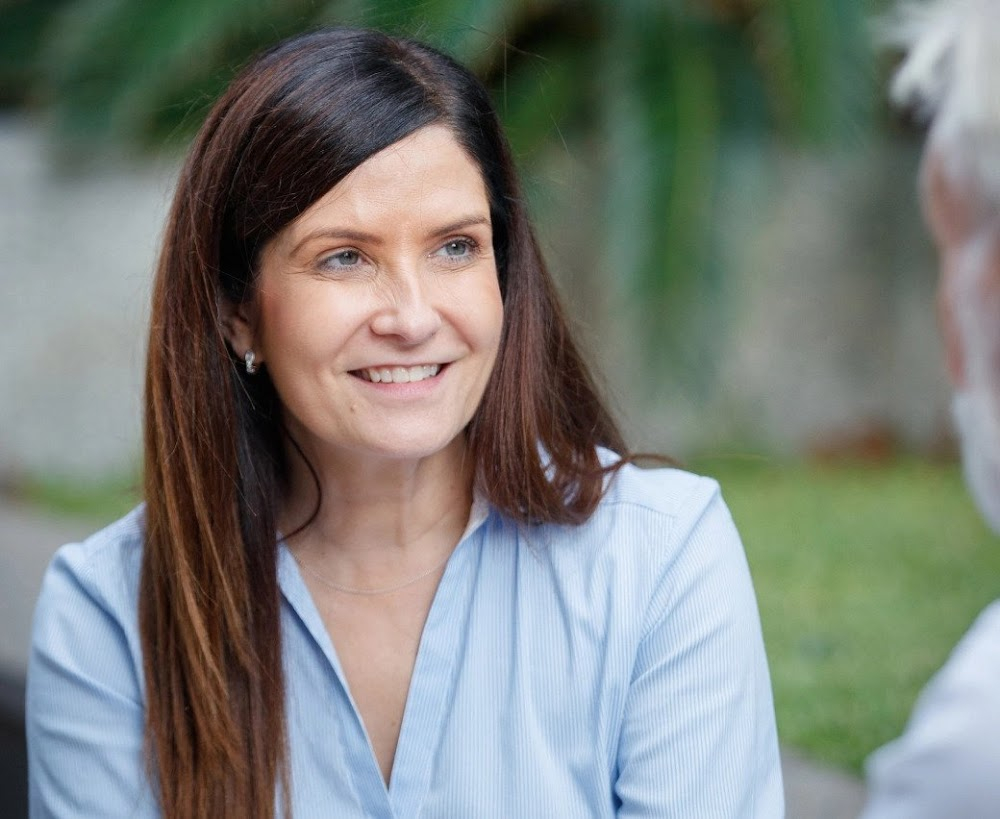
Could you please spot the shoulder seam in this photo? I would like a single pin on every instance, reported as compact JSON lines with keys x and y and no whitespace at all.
{"x":700,"y":483}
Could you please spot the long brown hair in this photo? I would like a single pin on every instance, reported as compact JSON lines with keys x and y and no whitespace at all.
{"x":292,"y":125}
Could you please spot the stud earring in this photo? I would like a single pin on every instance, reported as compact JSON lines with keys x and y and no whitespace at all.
{"x":248,"y":360}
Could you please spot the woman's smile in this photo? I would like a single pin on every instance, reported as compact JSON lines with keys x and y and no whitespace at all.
{"x":398,"y":374}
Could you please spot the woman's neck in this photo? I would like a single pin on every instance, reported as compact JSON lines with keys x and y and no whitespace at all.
{"x":374,"y":510}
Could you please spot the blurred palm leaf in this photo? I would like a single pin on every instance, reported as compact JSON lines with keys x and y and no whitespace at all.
{"x":131,"y":70}
{"x":655,"y":91}
{"x":22,"y":29}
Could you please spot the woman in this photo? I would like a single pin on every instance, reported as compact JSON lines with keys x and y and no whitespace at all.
{"x":478,"y":608}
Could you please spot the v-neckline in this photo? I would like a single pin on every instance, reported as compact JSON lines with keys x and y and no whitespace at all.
{"x":430,"y":683}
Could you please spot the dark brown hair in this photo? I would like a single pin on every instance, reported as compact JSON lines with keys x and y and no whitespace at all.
{"x":292,"y":125}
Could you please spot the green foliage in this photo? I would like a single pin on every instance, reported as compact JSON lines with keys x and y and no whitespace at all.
{"x":22,"y":30}
{"x":866,"y":577}
{"x":135,"y":70}
{"x":474,"y":31}
{"x":818,"y":57}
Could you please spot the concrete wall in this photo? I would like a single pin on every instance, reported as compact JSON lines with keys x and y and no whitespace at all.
{"x":835,"y":338}
{"x":76,"y":256}
{"x":820,"y":339}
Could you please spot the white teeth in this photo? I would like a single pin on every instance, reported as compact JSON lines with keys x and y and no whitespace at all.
{"x":401,"y":375}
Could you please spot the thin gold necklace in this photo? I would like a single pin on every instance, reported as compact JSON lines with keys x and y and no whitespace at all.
{"x":384,"y":590}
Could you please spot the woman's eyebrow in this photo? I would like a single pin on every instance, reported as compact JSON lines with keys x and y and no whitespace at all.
{"x":349,"y":234}
{"x":462,"y":224}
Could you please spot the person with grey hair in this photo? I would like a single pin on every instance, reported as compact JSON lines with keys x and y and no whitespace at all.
{"x":947,"y":762}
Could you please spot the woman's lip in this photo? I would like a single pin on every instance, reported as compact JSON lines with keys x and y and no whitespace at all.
{"x":391,"y":365}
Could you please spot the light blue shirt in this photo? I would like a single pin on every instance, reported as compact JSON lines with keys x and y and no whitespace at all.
{"x":610,"y":669}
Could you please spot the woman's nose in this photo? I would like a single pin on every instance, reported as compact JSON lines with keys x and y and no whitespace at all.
{"x":409,"y":312}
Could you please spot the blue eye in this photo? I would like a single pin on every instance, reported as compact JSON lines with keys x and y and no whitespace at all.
{"x":342,"y":258}
{"x":457,"y":248}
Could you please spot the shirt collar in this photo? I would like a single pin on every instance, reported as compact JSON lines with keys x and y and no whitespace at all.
{"x":478,"y":512}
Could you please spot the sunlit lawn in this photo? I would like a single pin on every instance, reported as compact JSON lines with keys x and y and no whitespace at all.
{"x":866,"y":577}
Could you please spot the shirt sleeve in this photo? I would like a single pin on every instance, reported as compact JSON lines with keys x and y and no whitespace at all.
{"x":699,"y":736}
{"x":946,"y":763}
{"x":84,"y":709}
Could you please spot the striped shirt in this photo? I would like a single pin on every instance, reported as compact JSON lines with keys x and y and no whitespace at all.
{"x":611,"y":669}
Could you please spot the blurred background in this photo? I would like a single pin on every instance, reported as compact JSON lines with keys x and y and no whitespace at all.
{"x":728,"y":205}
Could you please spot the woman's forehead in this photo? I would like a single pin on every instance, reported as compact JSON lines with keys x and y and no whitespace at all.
{"x":425,"y":178}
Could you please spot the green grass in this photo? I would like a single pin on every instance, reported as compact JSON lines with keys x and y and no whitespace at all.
{"x":99,"y":501}
{"x":866,"y":577}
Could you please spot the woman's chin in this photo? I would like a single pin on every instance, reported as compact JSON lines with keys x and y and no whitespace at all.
{"x":408,"y":448}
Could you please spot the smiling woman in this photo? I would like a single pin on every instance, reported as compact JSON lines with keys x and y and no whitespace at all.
{"x":378,"y":311}
{"x":394,"y":560}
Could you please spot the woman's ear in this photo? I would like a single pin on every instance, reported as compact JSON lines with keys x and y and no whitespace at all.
{"x":239,"y":325}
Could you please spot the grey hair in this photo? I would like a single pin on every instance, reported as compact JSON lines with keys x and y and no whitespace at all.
{"x":951,"y":75}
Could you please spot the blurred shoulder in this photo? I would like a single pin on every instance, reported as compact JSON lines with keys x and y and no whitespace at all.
{"x":967,"y":684}
{"x":983,"y":637}
{"x":945,"y":762}
{"x":967,"y":687}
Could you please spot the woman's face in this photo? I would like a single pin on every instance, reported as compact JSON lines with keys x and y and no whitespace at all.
{"x":378,"y":312}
